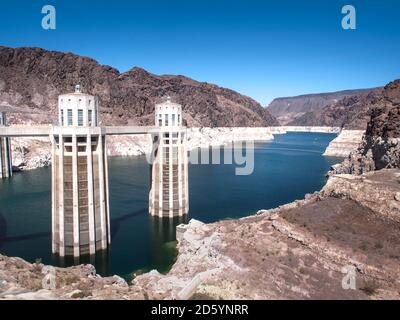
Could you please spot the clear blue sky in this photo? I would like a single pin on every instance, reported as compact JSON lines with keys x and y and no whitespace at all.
{"x":264,"y":49}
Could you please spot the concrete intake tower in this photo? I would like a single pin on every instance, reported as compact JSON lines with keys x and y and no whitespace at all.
{"x":169,"y":194}
{"x":80,"y":208}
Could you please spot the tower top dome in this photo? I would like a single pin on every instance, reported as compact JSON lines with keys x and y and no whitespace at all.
{"x":168,"y":113}
{"x":78,"y":109}
{"x":168,"y":104}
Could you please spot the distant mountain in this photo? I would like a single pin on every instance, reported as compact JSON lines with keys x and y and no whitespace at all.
{"x":351,"y":112}
{"x":32,"y":78}
{"x":286,"y":110}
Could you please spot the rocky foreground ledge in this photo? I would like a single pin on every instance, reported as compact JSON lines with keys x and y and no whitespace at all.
{"x":302,"y":250}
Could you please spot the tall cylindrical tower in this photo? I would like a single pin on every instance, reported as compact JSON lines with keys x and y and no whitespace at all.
{"x":5,"y":152}
{"x":80,"y":208}
{"x":169,"y":193}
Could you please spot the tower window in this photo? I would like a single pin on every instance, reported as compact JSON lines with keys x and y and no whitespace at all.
{"x":80,"y":117}
{"x":69,"y":114}
{"x":166,"y":120}
{"x":179,"y":119}
{"x":173,"y":120}
{"x":62,"y":117}
{"x":90,"y":117}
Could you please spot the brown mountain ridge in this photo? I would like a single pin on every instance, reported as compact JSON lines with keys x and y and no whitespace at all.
{"x":352,"y":112}
{"x":32,"y":78}
{"x":289,"y":109}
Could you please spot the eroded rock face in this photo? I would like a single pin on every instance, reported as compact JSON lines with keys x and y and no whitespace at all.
{"x":32,"y":78}
{"x":364,"y":190}
{"x":373,"y":154}
{"x":28,"y":154}
{"x":380,"y":147}
{"x":346,"y":142}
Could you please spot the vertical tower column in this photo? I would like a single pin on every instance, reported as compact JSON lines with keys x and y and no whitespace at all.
{"x":5,"y":152}
{"x":91,"y":208}
{"x":185,"y":178}
{"x":81,"y":221}
{"x":169,"y":179}
{"x":53,"y":194}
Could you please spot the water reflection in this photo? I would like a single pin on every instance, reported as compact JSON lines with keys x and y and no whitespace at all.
{"x":5,"y":238}
{"x":117,"y":222}
{"x":163,"y":245}
{"x":163,"y":241}
{"x":101,"y":261}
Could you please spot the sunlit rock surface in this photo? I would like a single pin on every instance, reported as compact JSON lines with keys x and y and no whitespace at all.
{"x":346,"y":142}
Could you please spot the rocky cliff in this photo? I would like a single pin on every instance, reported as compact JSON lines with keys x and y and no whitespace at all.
{"x":287,"y":109}
{"x":380,"y":147}
{"x":32,"y":78}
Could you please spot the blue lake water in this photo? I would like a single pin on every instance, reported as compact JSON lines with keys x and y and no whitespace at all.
{"x":285,"y":169}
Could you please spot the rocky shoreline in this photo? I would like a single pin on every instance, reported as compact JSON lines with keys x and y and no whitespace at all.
{"x":298,"y":251}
